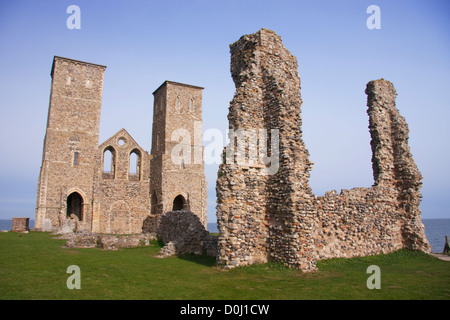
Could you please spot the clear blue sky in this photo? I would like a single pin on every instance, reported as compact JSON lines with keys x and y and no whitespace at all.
{"x":144,"y":43}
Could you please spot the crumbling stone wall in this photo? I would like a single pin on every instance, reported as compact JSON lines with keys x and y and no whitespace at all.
{"x":273,"y":215}
{"x":107,"y":241}
{"x":184,"y":231}
{"x":121,"y":197}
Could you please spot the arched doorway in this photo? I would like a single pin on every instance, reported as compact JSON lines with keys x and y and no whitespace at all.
{"x":179,"y":203}
{"x":75,"y":206}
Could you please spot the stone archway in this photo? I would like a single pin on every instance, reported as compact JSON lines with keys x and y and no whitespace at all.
{"x":179,"y":203}
{"x":75,"y":206}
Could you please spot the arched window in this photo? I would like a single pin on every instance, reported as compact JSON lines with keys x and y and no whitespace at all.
{"x":76,"y":159}
{"x":191,"y":105}
{"x":75,"y":206}
{"x":109,"y":163}
{"x":177,"y":104}
{"x":179,"y":203}
{"x":134,"y":172}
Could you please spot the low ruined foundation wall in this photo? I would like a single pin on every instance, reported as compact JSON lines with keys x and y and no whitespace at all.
{"x":356,"y":222}
{"x":107,"y":241}
{"x":184,"y":230}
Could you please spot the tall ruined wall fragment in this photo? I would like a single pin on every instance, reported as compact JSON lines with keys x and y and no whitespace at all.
{"x":266,"y":209}
{"x":393,"y":164}
{"x":258,"y":202}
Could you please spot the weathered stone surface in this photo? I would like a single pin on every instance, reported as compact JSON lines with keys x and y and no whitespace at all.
{"x":20,"y":224}
{"x":276,"y":216}
{"x":167,"y":251}
{"x":105,"y":241}
{"x":47,"y":225}
{"x":67,"y":226}
{"x":184,"y":230}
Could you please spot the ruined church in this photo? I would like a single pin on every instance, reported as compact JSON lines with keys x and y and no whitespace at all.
{"x":115,"y":187}
{"x":262,"y":215}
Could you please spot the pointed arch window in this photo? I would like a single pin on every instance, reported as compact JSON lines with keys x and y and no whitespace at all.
{"x":177,"y":104}
{"x":134,"y":173}
{"x":109,"y":163}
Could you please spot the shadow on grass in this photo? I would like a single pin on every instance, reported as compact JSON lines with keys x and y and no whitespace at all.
{"x":203,"y":260}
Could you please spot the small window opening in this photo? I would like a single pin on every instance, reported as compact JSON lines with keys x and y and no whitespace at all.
{"x":121,"y":142}
{"x":177,"y":104}
{"x":76,"y":159}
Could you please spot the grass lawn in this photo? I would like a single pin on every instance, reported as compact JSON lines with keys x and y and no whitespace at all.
{"x":34,"y":265}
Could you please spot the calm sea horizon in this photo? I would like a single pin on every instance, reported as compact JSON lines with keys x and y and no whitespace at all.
{"x":435,"y":230}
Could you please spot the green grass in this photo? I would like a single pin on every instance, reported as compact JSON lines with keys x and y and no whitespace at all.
{"x":33,"y":266}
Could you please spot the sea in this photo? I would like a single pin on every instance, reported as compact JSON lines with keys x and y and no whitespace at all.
{"x":435,"y":230}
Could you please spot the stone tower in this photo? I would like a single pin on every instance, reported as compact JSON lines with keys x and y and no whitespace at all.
{"x":71,"y":142}
{"x":177,"y":172}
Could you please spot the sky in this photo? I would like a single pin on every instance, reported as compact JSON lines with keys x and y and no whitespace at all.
{"x":144,"y":43}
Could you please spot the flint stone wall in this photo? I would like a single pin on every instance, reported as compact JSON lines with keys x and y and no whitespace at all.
{"x":184,"y":231}
{"x":264,"y":217}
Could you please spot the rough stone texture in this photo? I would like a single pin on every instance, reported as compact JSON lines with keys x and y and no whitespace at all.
{"x":80,"y":191}
{"x":185,"y":232}
{"x":107,"y":242}
{"x":20,"y":224}
{"x":276,"y":217}
{"x":47,"y":225}
{"x":167,"y":251}
{"x":121,"y":199}
{"x":67,"y":226}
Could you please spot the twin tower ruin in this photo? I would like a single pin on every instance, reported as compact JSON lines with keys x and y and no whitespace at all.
{"x":263,"y":215}
{"x":115,"y":187}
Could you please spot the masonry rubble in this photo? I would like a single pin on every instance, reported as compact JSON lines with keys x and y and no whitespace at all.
{"x":277,"y":217}
{"x":183,"y":233}
{"x":106,"y":241}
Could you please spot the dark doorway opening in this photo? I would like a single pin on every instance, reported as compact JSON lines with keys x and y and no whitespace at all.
{"x":75,"y":206}
{"x":179,"y":203}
